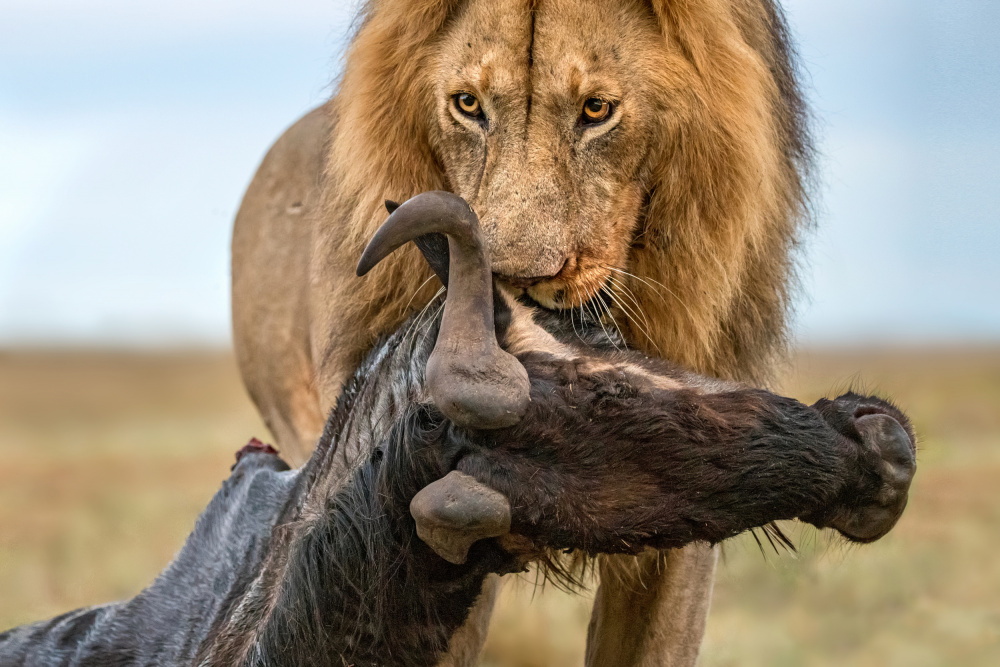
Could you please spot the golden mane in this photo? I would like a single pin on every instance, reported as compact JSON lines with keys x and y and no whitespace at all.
{"x":713,"y":255}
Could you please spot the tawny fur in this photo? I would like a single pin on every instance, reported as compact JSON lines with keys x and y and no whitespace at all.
{"x":686,"y":210}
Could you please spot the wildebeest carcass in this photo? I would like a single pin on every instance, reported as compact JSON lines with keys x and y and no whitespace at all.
{"x":472,"y":442}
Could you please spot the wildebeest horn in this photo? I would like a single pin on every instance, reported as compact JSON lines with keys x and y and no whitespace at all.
{"x":457,"y":511}
{"x":471,"y":380}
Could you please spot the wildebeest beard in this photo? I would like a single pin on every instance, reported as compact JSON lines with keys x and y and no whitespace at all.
{"x":481,"y":436}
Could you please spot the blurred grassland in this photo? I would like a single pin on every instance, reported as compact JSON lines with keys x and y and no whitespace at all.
{"x":107,"y":458}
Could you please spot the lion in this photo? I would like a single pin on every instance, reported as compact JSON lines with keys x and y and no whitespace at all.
{"x":648,"y":160}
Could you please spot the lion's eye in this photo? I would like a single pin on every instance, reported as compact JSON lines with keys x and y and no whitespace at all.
{"x":596,"y":110}
{"x":467,"y":104}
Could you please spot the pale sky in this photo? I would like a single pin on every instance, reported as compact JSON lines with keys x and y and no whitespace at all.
{"x":128,"y":131}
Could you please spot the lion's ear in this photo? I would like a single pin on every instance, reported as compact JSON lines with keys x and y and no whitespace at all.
{"x":391,"y":206}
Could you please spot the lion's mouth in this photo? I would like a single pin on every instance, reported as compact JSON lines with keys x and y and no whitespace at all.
{"x":598,"y":297}
{"x":596,"y":321}
{"x":591,"y":293}
{"x":570,"y":289}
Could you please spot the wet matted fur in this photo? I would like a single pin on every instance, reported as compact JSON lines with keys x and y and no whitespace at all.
{"x":682,"y":210}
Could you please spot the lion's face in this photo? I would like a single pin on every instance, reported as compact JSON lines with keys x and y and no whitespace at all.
{"x":545,"y":121}
{"x":665,"y":138}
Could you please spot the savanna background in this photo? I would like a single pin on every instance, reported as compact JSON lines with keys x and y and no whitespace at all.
{"x":127,"y":134}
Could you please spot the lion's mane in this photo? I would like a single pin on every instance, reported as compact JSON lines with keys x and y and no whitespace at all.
{"x":714,"y":251}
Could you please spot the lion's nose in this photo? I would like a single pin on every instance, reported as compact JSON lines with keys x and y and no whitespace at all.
{"x":524,"y":282}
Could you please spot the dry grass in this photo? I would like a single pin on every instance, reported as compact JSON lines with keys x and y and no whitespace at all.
{"x":106,"y":459}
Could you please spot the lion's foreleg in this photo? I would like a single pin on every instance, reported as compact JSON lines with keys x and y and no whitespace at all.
{"x":651,"y":610}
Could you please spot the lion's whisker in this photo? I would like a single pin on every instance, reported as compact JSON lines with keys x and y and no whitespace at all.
{"x":583,"y":319}
{"x":653,"y":288}
{"x":595,"y":311}
{"x":631,"y":316}
{"x":416,"y":320}
{"x":627,"y":292}
{"x":669,"y":291}
{"x":417,"y":291}
{"x":633,"y":310}
{"x":572,"y":319}
{"x":607,"y":309}
{"x":636,"y":310}
{"x":406,"y":333}
{"x":624,"y":310}
{"x":430,"y":320}
{"x":414,"y":328}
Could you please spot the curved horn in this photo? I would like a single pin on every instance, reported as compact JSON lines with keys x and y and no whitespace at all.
{"x":471,"y":380}
{"x":419,"y":222}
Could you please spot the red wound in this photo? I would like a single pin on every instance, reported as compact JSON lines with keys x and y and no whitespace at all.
{"x":255,"y":446}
